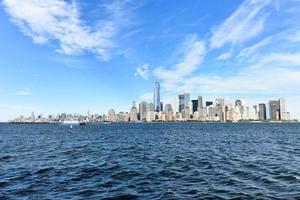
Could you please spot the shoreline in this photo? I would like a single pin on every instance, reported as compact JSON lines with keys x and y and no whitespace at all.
{"x":161,"y":122}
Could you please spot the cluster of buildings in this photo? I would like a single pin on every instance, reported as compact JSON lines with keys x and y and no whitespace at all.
{"x":182,"y":108}
{"x":185,"y":109}
{"x":60,"y":118}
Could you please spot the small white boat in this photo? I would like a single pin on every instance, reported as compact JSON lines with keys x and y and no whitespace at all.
{"x":71,"y":122}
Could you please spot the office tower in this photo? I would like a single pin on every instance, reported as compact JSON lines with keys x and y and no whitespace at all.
{"x":262,"y":111}
{"x":209,"y":103}
{"x":161,"y":106}
{"x":200,"y":102}
{"x":274,"y":109}
{"x":156,"y":99}
{"x":184,"y":100}
{"x":195,"y":105}
{"x":143,"y":110}
{"x":283,"y":109}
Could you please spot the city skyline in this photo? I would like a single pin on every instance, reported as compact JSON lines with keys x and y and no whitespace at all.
{"x":74,"y":56}
{"x":181,"y":109}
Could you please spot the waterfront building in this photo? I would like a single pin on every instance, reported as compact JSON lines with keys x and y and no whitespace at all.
{"x":156,"y":100}
{"x":111,"y":115}
{"x":262,"y":111}
{"x":283,"y":110}
{"x":274,"y":106}
{"x":150,"y":116}
{"x":133,"y":114}
{"x":186,"y":113}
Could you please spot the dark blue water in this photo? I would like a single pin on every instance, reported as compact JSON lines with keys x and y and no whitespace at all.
{"x":150,"y":161}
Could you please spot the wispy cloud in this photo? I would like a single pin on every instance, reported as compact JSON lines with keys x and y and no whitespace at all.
{"x":194,"y":51}
{"x":59,"y":21}
{"x":247,"y":21}
{"x":146,"y":97}
{"x":143,"y":72}
{"x":24,"y":92}
{"x":225,"y":56}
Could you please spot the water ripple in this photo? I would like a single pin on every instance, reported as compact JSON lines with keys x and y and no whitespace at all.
{"x":150,"y":161}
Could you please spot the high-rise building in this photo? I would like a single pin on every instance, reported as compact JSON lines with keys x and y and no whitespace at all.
{"x":184,"y":100}
{"x":200,"y":102}
{"x":156,"y":100}
{"x":195,"y":105}
{"x":161,"y":106}
{"x":283,"y":110}
{"x":274,"y":109}
{"x":143,"y":110}
{"x":262,"y":111}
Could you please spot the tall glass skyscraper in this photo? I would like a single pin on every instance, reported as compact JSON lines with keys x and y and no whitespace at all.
{"x":156,"y":99}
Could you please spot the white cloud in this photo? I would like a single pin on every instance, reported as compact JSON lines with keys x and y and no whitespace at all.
{"x":285,"y":60}
{"x":289,"y":37}
{"x":57,"y":20}
{"x":225,"y":56}
{"x":147,"y":97}
{"x":142,"y":72}
{"x":24,"y":92}
{"x":246,"y":22}
{"x":193,"y":53}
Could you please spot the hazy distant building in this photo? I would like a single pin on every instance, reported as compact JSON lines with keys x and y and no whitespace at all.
{"x":156,"y":100}
{"x":220,"y":102}
{"x":161,"y":106}
{"x":150,"y":107}
{"x":184,"y":100}
{"x":274,"y":106}
{"x":262,"y":111}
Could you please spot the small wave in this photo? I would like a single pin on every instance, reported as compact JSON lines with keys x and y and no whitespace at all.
{"x":286,"y":178}
{"x":123,"y":197}
{"x":5,"y":158}
{"x":44,"y":170}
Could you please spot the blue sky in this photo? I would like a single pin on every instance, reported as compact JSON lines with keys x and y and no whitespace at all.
{"x":71,"y":56}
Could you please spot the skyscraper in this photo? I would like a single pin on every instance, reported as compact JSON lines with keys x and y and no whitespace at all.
{"x":184,"y":100}
{"x":283,"y":109}
{"x":195,"y":105}
{"x":275,"y":109}
{"x":200,"y":102}
{"x":143,"y":110}
{"x":262,"y":111}
{"x":156,"y":99}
